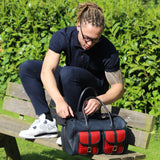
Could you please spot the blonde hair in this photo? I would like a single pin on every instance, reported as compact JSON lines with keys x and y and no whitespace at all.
{"x":90,"y":12}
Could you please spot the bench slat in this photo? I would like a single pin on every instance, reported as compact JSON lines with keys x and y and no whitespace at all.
{"x":12,"y":126}
{"x":139,"y":138}
{"x":128,"y":156}
{"x":133,"y":118}
{"x":19,"y":106}
{"x":17,"y":90}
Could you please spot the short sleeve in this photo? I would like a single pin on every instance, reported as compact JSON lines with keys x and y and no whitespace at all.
{"x":112,"y":63}
{"x":58,"y":41}
{"x":111,"y":59}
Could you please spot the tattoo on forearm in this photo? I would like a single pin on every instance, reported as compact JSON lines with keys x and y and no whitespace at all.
{"x":114,"y":77}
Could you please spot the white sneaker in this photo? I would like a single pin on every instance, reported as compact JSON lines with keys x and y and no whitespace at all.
{"x":59,"y":141}
{"x":41,"y":128}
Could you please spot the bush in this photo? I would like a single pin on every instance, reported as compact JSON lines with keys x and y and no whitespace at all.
{"x":134,"y":30}
{"x":133,"y":26}
{"x":26,"y":28}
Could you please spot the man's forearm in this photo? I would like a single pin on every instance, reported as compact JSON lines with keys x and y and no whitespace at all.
{"x":113,"y":94}
{"x":50,"y":85}
{"x":117,"y":89}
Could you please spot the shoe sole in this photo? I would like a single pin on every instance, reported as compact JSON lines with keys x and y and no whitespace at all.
{"x":42,"y":136}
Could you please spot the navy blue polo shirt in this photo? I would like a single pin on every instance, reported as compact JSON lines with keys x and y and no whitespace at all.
{"x":101,"y":57}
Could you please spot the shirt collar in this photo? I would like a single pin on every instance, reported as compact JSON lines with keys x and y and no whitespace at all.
{"x":77,"y":44}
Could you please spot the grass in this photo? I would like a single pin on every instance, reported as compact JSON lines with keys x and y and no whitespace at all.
{"x":153,"y":151}
{"x":32,"y":151}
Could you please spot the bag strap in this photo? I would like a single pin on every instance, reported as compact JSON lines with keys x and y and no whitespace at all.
{"x":85,"y":117}
{"x":87,"y":92}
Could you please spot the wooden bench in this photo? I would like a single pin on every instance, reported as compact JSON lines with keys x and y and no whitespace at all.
{"x":140,"y":125}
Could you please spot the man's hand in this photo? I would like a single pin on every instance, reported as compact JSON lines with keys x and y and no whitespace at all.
{"x":93,"y":105}
{"x":64,"y":110}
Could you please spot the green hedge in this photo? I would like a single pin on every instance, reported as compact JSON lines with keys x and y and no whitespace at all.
{"x":133,"y":27}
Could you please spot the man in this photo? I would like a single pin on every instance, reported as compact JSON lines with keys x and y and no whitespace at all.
{"x":91,"y":61}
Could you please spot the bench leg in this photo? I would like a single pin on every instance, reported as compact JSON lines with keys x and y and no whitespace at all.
{"x":10,"y":145}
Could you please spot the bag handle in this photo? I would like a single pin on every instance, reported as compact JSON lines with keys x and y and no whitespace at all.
{"x":87,"y":92}
{"x":85,"y":117}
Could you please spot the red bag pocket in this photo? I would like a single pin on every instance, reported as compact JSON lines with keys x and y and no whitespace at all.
{"x":113,"y":142}
{"x":88,"y":142}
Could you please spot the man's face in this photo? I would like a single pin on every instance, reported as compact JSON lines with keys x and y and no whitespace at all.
{"x":88,"y":35}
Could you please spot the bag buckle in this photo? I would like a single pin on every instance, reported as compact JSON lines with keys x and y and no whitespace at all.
{"x":115,"y":148}
{"x":89,"y":150}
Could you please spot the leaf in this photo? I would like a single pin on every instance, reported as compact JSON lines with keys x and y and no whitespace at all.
{"x":158,"y":80}
{"x":115,"y":28}
{"x":6,"y":60}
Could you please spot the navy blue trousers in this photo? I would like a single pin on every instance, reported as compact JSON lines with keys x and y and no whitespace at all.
{"x":70,"y":81}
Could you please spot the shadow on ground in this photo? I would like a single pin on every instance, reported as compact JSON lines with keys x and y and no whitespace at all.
{"x":52,"y":155}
